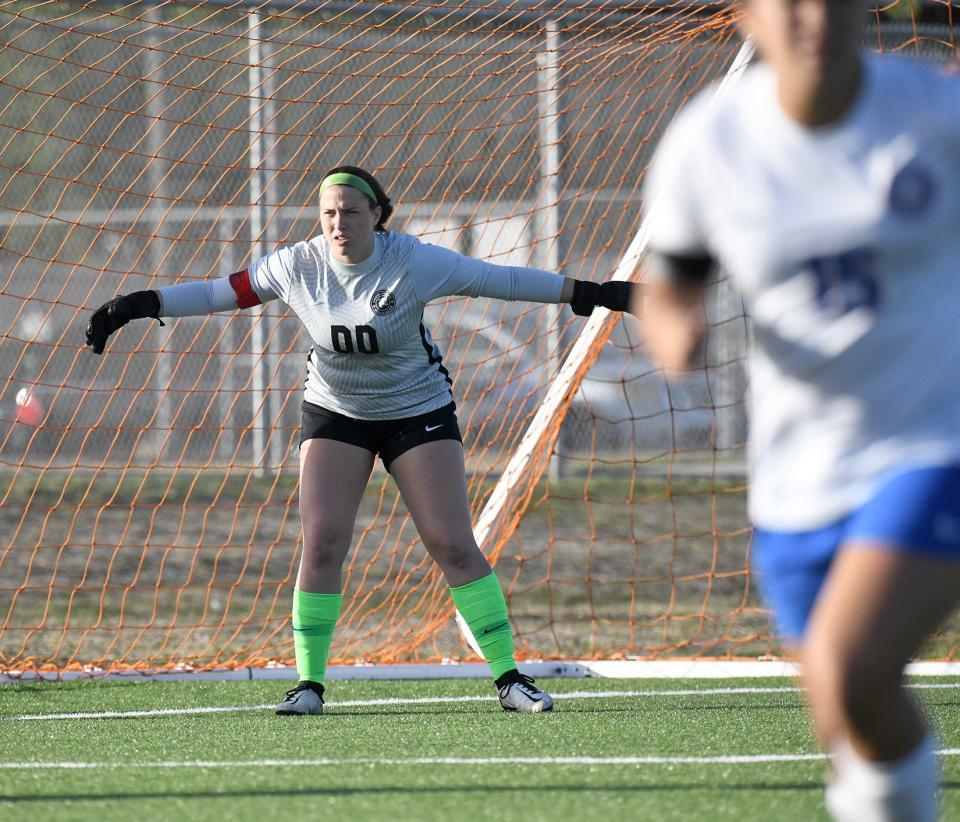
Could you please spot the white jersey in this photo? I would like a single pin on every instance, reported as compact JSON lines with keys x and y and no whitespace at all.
{"x":845,"y":242}
{"x":372,"y":356}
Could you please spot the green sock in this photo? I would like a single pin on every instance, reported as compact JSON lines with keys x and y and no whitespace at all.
{"x":314,"y":617}
{"x":484,"y":609}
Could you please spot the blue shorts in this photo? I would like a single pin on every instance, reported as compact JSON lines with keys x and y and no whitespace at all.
{"x":917,"y":511}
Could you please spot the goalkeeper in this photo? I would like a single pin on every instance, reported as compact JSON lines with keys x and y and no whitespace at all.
{"x":376,"y":386}
{"x":827,"y":184}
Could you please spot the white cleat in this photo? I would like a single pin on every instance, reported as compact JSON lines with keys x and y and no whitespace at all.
{"x":306,"y":698}
{"x":520,"y":695}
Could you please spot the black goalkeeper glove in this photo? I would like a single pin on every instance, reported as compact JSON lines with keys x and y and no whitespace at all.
{"x":117,"y":313}
{"x":614,"y":295}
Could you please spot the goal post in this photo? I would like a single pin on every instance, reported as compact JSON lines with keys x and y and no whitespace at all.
{"x":148,"y":498}
{"x":510,"y":495}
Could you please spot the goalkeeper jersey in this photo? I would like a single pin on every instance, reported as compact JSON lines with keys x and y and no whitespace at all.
{"x":372,"y":356}
{"x":845,"y":242}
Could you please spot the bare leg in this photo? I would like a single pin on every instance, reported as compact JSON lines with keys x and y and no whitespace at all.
{"x":333,"y":476}
{"x":433,"y":483}
{"x":876,"y":608}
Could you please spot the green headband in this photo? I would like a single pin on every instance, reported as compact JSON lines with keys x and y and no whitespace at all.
{"x":343,"y":178}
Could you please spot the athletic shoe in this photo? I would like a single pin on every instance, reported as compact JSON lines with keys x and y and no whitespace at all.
{"x":517,"y":693}
{"x":306,"y":698}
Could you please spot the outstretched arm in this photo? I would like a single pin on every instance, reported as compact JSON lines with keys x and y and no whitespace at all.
{"x":180,"y":300}
{"x":440,"y":272}
{"x":115,"y":314}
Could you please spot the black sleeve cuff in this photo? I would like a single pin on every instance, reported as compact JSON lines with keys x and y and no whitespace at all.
{"x":614,"y":295}
{"x":144,"y":304}
{"x":686,"y":269}
{"x":585,"y":295}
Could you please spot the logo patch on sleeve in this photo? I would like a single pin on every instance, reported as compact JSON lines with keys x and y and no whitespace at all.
{"x":383,"y":302}
{"x":913,"y":190}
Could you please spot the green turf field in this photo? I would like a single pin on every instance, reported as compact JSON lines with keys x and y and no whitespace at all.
{"x":613,"y":749}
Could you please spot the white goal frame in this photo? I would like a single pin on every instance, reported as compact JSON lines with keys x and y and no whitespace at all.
{"x":529,"y":460}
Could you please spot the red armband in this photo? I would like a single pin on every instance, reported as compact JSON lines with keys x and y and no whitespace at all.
{"x":246,"y":296}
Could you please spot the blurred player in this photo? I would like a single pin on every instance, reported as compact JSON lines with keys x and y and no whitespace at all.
{"x":826,"y":183}
{"x":376,"y":386}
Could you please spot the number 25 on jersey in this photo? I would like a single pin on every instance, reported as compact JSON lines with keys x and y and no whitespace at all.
{"x":846,"y":281}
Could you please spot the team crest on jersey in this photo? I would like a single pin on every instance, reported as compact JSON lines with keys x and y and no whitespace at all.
{"x":912,"y":191}
{"x":383,"y":302}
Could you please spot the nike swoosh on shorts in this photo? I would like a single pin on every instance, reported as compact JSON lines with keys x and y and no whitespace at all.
{"x":434,"y":427}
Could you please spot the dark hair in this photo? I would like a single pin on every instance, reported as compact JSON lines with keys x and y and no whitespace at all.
{"x":382,"y":199}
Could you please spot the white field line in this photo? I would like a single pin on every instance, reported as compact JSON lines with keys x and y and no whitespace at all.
{"x":734,"y":759}
{"x":426,"y":700}
{"x":555,"y":668}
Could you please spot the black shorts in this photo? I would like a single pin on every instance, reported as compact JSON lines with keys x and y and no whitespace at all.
{"x":386,"y":438}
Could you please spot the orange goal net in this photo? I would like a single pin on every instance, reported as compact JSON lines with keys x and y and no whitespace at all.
{"x":148,"y":498}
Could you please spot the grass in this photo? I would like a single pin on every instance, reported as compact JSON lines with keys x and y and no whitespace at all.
{"x":95,"y":556}
{"x":374,"y":752}
{"x":158,"y":566}
{"x":203,"y":486}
